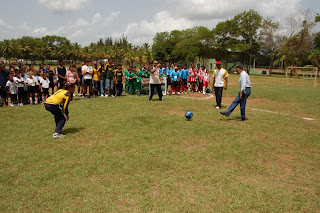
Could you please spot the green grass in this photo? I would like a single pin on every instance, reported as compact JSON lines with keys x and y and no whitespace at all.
{"x":130,"y":155}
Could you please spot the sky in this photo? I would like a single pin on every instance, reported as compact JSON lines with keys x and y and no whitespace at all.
{"x":86,"y":21}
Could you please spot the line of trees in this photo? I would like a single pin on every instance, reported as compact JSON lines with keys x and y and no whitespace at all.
{"x":55,"y":47}
{"x":244,"y":38}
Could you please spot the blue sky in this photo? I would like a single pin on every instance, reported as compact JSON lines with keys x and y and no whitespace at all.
{"x":85,"y":21}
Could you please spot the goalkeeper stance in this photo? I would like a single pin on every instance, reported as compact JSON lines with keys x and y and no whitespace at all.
{"x":57,"y":104}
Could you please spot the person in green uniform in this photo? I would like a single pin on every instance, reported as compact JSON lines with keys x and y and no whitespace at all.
{"x":139,"y":84}
{"x":133,"y":81}
{"x":127,"y":76}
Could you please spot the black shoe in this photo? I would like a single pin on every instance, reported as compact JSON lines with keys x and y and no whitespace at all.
{"x":150,"y":99}
{"x":224,"y":113}
{"x":240,"y":119}
{"x":161,"y":99}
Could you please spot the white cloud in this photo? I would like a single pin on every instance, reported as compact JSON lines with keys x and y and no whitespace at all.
{"x":144,"y":31}
{"x":217,"y":9}
{"x":81,"y":30}
{"x":64,"y":5}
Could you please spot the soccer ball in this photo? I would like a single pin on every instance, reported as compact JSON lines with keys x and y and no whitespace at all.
{"x":189,"y":115}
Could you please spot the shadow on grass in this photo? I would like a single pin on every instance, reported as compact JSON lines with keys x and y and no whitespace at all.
{"x":73,"y":130}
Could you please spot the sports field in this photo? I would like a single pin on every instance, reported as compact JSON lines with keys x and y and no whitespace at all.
{"x":127,"y":154}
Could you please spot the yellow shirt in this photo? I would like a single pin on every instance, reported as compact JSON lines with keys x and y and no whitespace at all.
{"x":220,"y":76}
{"x":96,"y":76}
{"x":61,"y":97}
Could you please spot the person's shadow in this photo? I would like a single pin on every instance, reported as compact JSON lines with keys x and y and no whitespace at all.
{"x":73,"y":130}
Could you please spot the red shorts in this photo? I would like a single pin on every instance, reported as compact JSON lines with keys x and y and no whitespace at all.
{"x":205,"y":83}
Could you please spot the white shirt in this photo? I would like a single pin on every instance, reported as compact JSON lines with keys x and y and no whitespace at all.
{"x":219,"y":76}
{"x":155,"y":77}
{"x":31,"y":81}
{"x":12,"y":86}
{"x":244,"y":81}
{"x":18,"y":81}
{"x":86,"y":68}
{"x":45,"y":83}
{"x":36,"y":79}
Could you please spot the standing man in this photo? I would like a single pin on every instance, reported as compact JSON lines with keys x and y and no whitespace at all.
{"x":220,"y":81}
{"x":87,"y":73}
{"x":61,"y":72}
{"x":155,"y":81}
{"x":109,"y":78}
{"x":4,"y":75}
{"x":245,"y":91}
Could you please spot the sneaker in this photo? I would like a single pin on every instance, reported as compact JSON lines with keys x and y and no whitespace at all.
{"x":224,"y":113}
{"x":240,"y":119}
{"x":112,"y":96}
{"x":102,"y":95}
{"x":173,"y":93}
{"x":11,"y":105}
{"x":21,"y":104}
{"x":217,"y":107}
{"x":161,"y":99}
{"x":57,"y":135}
{"x":83,"y":97}
{"x":185,"y":93}
{"x":179,"y":93}
{"x":150,"y":99}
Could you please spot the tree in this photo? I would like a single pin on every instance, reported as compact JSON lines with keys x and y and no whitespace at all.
{"x":269,"y":42}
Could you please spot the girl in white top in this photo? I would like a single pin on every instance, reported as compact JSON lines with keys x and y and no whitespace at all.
{"x":19,"y":80}
{"x":44,"y":82}
{"x":31,"y":83}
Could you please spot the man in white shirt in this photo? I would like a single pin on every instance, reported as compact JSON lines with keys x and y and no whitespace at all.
{"x":87,"y":73}
{"x":155,"y":81}
{"x":220,"y":81}
{"x":245,"y":91}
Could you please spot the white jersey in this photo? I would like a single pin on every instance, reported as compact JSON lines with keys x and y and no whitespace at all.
{"x":220,"y":76}
{"x":85,"y":71}
{"x":19,"y":81}
{"x":45,"y":83}
{"x":12,"y":86}
{"x":31,"y":81}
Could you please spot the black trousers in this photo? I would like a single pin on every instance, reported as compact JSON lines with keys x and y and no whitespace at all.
{"x":119,"y":88}
{"x":158,"y":87}
{"x":58,"y":116}
{"x":218,"y":93}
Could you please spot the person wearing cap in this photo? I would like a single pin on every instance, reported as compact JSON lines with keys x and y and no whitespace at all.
{"x":245,"y":91}
{"x":220,"y":81}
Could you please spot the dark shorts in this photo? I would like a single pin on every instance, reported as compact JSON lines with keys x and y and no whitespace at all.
{"x":32,"y":89}
{"x":87,"y":82}
{"x":3,"y":92}
{"x":79,"y":83}
{"x":175,"y":83}
{"x":21,"y":92}
{"x":184,"y":82}
{"x":45,"y":91}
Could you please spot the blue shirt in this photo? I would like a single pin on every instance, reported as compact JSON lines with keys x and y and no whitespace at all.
{"x":168,"y":73}
{"x":175,"y":76}
{"x":184,"y":74}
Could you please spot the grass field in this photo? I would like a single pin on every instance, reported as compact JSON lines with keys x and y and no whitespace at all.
{"x":129,"y":155}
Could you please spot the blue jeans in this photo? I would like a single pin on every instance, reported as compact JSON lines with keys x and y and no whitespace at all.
{"x":102,"y":87}
{"x":241,"y":102}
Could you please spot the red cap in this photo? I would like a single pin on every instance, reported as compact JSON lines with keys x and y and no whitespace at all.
{"x":95,"y":63}
{"x":218,"y":63}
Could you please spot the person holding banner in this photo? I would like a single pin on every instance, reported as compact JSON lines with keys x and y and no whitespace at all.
{"x":155,"y":81}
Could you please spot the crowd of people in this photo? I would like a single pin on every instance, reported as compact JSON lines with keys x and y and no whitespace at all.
{"x":21,"y":84}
